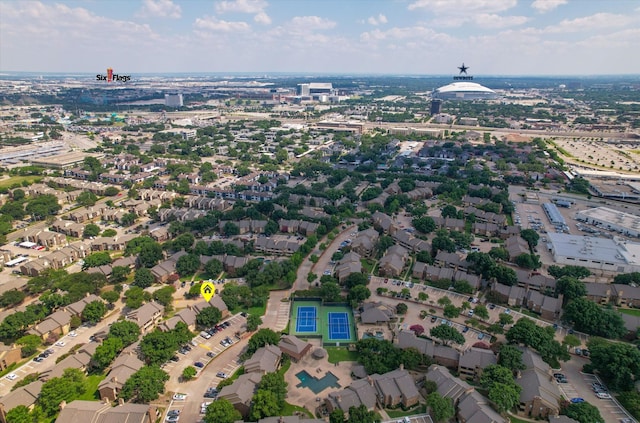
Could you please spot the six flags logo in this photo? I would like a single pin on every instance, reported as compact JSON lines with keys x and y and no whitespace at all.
{"x":111,"y":77}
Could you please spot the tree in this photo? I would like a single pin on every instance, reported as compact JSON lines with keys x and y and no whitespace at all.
{"x":119,"y":274}
{"x":145,"y":385}
{"x":260,"y":339}
{"x":275,"y":383}
{"x":571,"y":341}
{"x":213,"y":268}
{"x":511,"y":358}
{"x":449,"y":211}
{"x":29,"y":344}
{"x":19,"y":414}
{"x":90,"y":230}
{"x":417,"y":329}
{"x":143,"y":278}
{"x":530,"y":236}
{"x":424,"y":224}
{"x":481,"y":311}
{"x":253,"y":322}
{"x":208,"y":317}
{"x":355,"y":279}
{"x":188,"y":264}
{"x":463,"y":287}
{"x":330,"y":292}
{"x":164,"y":295}
{"x":441,"y":408}
{"x":106,"y":352}
{"x":42,"y":206}
{"x":450,"y":311}
{"x":93,"y":312}
{"x":401,"y":308}
{"x":579,"y":272}
{"x":358,"y":294}
{"x":360,"y":414}
{"x":528,"y":261}
{"x":230,"y":229}
{"x":87,"y":199}
{"x":12,"y":298}
{"x":587,"y":316}
{"x":504,"y":396}
{"x":444,"y":301}
{"x":96,"y":260}
{"x":505,"y":319}
{"x":495,"y":373}
{"x":264,"y":404}
{"x":66,"y":388}
{"x":583,"y":412}
{"x":571,"y":288}
{"x":618,"y":363}
{"x":111,"y":191}
{"x":526,"y":332}
{"x":221,"y":411}
{"x":446,"y":333}
{"x":336,"y":416}
{"x":127,"y":331}
{"x":109,"y":232}
{"x":504,"y":275}
{"x":134,"y":297}
{"x":189,"y":373}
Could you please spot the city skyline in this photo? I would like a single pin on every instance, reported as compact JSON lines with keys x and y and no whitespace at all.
{"x":428,"y":37}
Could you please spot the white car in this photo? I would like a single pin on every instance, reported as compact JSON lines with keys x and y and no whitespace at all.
{"x":73,"y":334}
{"x":60,"y":344}
{"x":179,"y":397}
{"x":12,"y":376}
{"x":603,"y":395}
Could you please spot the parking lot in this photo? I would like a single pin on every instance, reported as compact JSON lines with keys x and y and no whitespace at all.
{"x":420,"y":418}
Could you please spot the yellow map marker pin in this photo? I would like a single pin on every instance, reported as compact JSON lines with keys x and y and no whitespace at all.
{"x":207,"y":290}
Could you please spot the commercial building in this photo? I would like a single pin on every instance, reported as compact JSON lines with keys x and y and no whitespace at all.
{"x":173,"y":100}
{"x":64,"y":161}
{"x":606,"y":218}
{"x":609,"y":255}
{"x":554,"y":216}
{"x":464,"y":91}
{"x":315,"y":88}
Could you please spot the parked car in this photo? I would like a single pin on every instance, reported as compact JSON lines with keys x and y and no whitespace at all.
{"x":38,"y":359}
{"x":73,"y":334}
{"x":175,"y":358}
{"x":577,"y":400}
{"x":205,"y":335}
{"x":211,"y":354}
{"x":11,"y":376}
{"x":172,"y":419}
{"x":434,"y":319}
{"x":221,"y":375}
{"x":60,"y":344}
{"x":466,"y":329}
{"x":173,"y":413}
{"x":198,"y":364}
{"x":603,"y":395}
{"x":179,"y":397}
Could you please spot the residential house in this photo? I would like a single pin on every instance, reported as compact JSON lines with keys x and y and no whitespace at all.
{"x":122,"y":368}
{"x":80,"y":360}
{"x":474,"y":408}
{"x":25,"y":395}
{"x":163,"y":270}
{"x":393,"y":261}
{"x":374,"y":313}
{"x":396,"y":388}
{"x":277,"y":246}
{"x":450,"y":223}
{"x":100,"y":412}
{"x":241,"y":391}
{"x":264,"y":360}
{"x":160,"y":234}
{"x":76,"y":309}
{"x":514,"y":296}
{"x":186,"y":316}
{"x":365,"y":242}
{"x":48,"y":239}
{"x":473,"y":360}
{"x":540,"y":396}
{"x":349,"y":264}
{"x":359,"y":392}
{"x":57,"y":324}
{"x":516,"y":246}
{"x":599,"y":292}
{"x":147,"y":316}
{"x":294,"y":347}
{"x":451,"y":260}
{"x":383,"y":222}
{"x":9,"y":354}
{"x":626,"y":295}
{"x":549,"y":308}
{"x":410,"y":242}
{"x":216,"y":301}
{"x":298,"y":226}
{"x":441,"y":354}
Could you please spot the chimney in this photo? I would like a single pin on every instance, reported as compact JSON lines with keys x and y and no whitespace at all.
{"x":339,"y":398}
{"x":120,"y":401}
{"x":62,"y":405}
{"x":370,"y":380}
{"x":401,"y":366}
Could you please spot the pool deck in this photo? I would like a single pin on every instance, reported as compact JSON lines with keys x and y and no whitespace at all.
{"x":304,"y":397}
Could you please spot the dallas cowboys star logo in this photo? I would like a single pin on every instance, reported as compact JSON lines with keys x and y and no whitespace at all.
{"x":463,"y":69}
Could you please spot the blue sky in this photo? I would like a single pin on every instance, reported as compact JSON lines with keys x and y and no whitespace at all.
{"x":493,"y":37}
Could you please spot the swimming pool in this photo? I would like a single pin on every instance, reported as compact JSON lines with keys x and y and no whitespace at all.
{"x":317,"y":385}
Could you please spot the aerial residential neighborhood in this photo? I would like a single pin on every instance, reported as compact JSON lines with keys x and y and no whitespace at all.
{"x":391,"y":245}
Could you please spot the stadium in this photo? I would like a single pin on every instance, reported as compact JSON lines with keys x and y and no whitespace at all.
{"x":464,"y":91}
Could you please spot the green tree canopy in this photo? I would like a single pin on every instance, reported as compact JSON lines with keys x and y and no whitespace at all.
{"x":90,"y":230}
{"x":66,"y":388}
{"x":446,"y":333}
{"x":511,"y":358}
{"x":221,"y":411}
{"x":589,"y":317}
{"x":145,"y":385}
{"x":442,"y":408}
{"x":583,"y":412}
{"x":261,"y":338}
{"x":127,"y":331}
{"x":93,"y":312}
{"x":264,"y":404}
{"x":143,"y":278}
{"x":618,"y":363}
{"x":208,"y":317}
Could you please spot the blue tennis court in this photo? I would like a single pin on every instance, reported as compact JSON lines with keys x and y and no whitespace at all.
{"x":338,"y":326}
{"x":306,"y":319}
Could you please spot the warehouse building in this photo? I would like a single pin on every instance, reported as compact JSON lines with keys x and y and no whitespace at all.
{"x":613,"y":220}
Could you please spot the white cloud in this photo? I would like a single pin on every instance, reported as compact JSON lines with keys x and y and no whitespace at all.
{"x":379,"y":20}
{"x":544,"y":6}
{"x":252,"y":7}
{"x":496,"y":21}
{"x":590,"y":23}
{"x":160,"y":9}
{"x":262,"y":18}
{"x":241,"y":6}
{"x":463,"y":7}
{"x":310,"y":23}
{"x":211,"y":23}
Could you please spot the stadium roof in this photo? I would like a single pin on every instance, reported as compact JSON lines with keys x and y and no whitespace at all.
{"x":464,"y":87}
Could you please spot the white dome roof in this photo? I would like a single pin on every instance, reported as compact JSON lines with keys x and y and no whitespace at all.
{"x":468,"y":87}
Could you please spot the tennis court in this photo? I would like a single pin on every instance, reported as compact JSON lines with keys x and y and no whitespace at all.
{"x":306,"y":319}
{"x":338,"y":326}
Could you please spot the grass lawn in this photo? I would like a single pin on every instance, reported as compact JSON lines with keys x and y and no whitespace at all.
{"x":367,"y":265}
{"x":394,"y":414}
{"x":517,"y":420}
{"x":630,"y":311}
{"x":337,"y":354}
{"x":92,"y":393}
{"x":6,"y":183}
{"x":290,"y":409}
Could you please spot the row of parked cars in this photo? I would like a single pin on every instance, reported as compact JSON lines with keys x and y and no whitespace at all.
{"x":207,"y":334}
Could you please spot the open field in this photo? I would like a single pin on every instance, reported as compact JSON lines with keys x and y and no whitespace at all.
{"x":599,"y":154}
